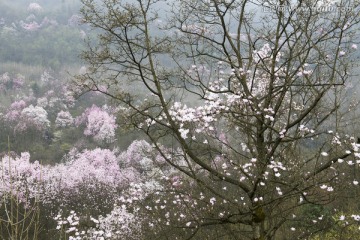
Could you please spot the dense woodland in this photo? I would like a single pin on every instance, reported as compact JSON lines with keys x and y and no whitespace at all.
{"x":147,"y":120}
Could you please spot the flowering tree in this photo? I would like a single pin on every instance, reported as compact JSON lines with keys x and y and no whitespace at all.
{"x":14,"y":111}
{"x":64,"y":119}
{"x":99,"y":124}
{"x":251,"y":114}
{"x":99,"y":184}
{"x":52,"y":183}
{"x":8,"y":83}
{"x":22,"y":117}
{"x":33,"y":117}
{"x":34,"y":7}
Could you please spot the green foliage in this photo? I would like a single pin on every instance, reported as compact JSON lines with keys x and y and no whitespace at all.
{"x":35,"y":88}
{"x":49,"y":48}
{"x":313,"y":211}
{"x":54,"y":44}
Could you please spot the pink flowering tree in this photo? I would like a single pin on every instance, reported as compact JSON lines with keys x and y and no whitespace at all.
{"x":252,"y":114}
{"x":13,"y":113}
{"x":87,"y":179}
{"x":31,"y":26}
{"x":19,"y":177}
{"x":139,"y":177}
{"x":11,"y":83}
{"x":99,"y":123}
{"x":98,"y":184}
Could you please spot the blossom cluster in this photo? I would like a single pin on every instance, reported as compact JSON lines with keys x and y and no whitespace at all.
{"x":100,"y":171}
{"x":50,"y":182}
{"x":64,"y":119}
{"x":31,"y":116}
{"x":99,"y":123}
{"x":11,"y":83}
{"x":34,"y":7}
{"x":23,"y":117}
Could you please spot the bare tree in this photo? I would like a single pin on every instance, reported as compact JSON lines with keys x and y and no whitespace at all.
{"x":243,"y":96}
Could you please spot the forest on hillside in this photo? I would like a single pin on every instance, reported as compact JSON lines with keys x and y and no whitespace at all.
{"x":156,"y":119}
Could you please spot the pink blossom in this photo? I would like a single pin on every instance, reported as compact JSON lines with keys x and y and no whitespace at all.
{"x":16,"y":170}
{"x":18,"y":81}
{"x":6,"y":82}
{"x":80,"y":171}
{"x":14,"y":111}
{"x":98,"y":164}
{"x":32,"y":26}
{"x":99,"y":124}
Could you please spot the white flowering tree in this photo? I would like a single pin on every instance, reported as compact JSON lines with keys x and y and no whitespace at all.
{"x":64,"y":119}
{"x":34,"y":7}
{"x":247,"y":97}
{"x":24,"y":117}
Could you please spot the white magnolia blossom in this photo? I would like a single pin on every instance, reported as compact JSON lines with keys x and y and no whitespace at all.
{"x":119,"y":224}
{"x":36,"y":116}
{"x":34,"y":7}
{"x":64,"y":119}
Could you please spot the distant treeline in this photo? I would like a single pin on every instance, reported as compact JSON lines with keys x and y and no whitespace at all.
{"x":46,"y":33}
